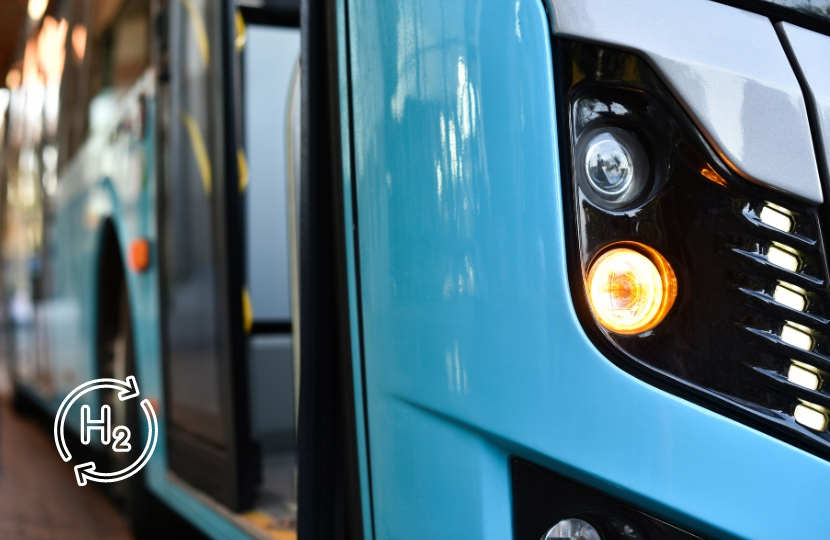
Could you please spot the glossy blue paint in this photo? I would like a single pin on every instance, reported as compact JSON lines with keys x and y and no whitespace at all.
{"x":473,"y":352}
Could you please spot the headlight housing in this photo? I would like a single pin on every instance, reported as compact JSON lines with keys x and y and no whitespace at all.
{"x":747,"y":334}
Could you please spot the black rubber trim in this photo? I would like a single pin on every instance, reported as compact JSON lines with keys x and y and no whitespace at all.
{"x":328,"y":487}
{"x":271,"y":327}
{"x":273,"y":13}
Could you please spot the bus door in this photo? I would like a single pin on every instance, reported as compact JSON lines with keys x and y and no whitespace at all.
{"x":226,"y":309}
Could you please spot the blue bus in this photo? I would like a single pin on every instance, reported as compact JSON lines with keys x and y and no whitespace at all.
{"x":531,"y":269}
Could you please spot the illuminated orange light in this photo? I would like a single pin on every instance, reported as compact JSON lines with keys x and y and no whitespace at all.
{"x":631,"y":288}
{"x":713,"y":176}
{"x":79,"y":41}
{"x":139,"y":255}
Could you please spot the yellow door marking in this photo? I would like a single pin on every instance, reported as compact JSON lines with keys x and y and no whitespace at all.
{"x":242,"y":163}
{"x":247,"y":311}
{"x":199,"y":29}
{"x":199,"y":150}
{"x":241,"y":34}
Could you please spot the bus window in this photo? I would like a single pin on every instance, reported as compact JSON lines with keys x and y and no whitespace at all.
{"x":109,"y":50}
{"x":190,"y":277}
{"x":198,"y":352}
{"x":269,"y":58}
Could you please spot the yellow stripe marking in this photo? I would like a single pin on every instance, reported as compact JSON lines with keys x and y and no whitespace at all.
{"x":242,"y":163}
{"x":199,"y":29}
{"x":241,"y":34}
{"x":199,"y":150}
{"x":247,"y":311}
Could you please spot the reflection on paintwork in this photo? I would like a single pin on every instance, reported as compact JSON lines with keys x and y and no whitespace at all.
{"x":456,"y":374}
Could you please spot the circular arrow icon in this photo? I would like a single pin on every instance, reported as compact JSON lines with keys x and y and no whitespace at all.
{"x":127,"y":389}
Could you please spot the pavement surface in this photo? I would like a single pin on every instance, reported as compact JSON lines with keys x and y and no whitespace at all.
{"x":39,"y":497}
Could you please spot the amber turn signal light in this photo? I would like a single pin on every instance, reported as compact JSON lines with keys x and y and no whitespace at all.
{"x":631,"y":288}
{"x":139,"y":259}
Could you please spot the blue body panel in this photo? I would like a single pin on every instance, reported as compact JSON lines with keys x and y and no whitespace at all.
{"x":473,"y":351}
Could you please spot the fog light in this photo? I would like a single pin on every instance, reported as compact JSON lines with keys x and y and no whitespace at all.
{"x":572,"y":529}
{"x":631,"y":289}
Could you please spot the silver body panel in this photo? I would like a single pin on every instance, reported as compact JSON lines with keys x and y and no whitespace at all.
{"x":812,"y":52}
{"x":729,"y":71}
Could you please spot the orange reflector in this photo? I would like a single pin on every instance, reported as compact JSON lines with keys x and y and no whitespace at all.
{"x":139,"y":255}
{"x":631,"y":288}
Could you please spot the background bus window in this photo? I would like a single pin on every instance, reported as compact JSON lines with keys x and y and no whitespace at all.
{"x":108,"y":49}
{"x":269,"y":59}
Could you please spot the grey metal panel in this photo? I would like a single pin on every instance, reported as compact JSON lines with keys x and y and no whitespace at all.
{"x":271,"y":384}
{"x":812,"y":51}
{"x":726,"y":67}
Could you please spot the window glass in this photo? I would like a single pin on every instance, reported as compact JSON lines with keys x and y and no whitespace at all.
{"x":193,"y":293}
{"x":820,"y":9}
{"x":109,"y":49}
{"x":270,"y":58}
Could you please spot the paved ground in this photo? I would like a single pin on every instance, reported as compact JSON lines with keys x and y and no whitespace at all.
{"x":39,"y":498}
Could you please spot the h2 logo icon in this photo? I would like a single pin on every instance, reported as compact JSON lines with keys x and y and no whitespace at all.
{"x":120,"y":435}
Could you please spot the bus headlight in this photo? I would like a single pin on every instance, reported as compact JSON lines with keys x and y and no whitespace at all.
{"x":614,"y":167}
{"x":573,"y":529}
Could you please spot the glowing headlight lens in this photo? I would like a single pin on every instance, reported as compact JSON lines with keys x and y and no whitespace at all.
{"x":631,"y":289}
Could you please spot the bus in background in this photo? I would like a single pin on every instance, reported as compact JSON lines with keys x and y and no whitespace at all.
{"x":147,"y":234}
{"x":548,"y":269}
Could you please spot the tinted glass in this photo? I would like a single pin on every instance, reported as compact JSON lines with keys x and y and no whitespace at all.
{"x":820,"y":9}
{"x":108,"y":49}
{"x":193,"y":288}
